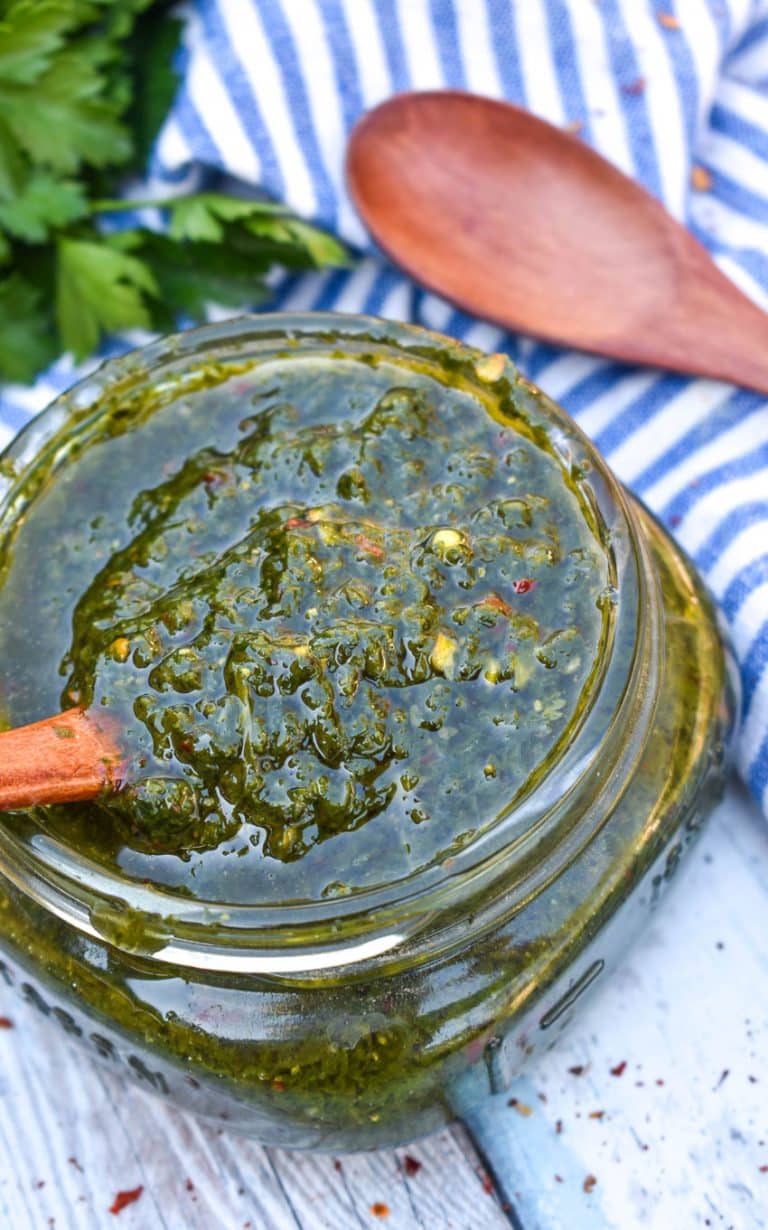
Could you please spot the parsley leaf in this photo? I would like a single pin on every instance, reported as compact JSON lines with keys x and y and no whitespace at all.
{"x":26,"y":338}
{"x":43,"y":204}
{"x":99,"y":287}
{"x":84,"y":87}
{"x":31,"y":32}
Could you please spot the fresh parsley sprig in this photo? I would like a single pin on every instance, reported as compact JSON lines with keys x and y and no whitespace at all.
{"x":84,"y":86}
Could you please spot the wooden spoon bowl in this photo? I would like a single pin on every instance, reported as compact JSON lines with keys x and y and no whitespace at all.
{"x":521,"y":223}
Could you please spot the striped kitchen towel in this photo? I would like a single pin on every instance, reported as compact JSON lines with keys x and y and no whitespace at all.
{"x":675,"y":93}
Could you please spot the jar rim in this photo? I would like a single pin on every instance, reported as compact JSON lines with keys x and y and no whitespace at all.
{"x":541,"y":831}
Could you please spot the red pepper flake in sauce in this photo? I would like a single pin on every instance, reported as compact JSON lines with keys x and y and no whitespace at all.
{"x":123,"y":1199}
{"x":296,"y":523}
{"x":6,"y":1022}
{"x":411,"y":1165}
{"x":498,"y":604}
{"x":524,"y":586}
{"x":370,"y":548}
{"x":589,"y":1183}
{"x":380,"y":1209}
{"x":620,"y":1068}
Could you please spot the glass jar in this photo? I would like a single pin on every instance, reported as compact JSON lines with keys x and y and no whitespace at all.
{"x":371,"y":1020}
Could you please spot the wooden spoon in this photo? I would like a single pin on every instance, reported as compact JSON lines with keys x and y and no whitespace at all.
{"x":522,"y":224}
{"x":63,"y":759}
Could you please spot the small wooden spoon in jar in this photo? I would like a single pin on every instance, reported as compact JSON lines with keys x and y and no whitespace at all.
{"x":522,"y":224}
{"x":67,"y":758}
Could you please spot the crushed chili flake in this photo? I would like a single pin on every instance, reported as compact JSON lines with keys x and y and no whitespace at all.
{"x":371,"y":548}
{"x":559,"y":1127}
{"x":189,"y":1185}
{"x":74,"y":1162}
{"x":522,"y":1108}
{"x":701,"y":180}
{"x":669,"y":21}
{"x":524,"y":585}
{"x":411,"y":1165}
{"x":589,"y":1183}
{"x":620,"y":1068}
{"x":380,"y":1209}
{"x":487,"y":1182}
{"x":294,"y":523}
{"x":558,"y":1178}
{"x":337,"y":1165}
{"x":278,"y":1085}
{"x":597,"y":1114}
{"x":6,"y":1022}
{"x":634,"y":87}
{"x":123,"y":1199}
{"x":578,"y":1069}
{"x":763,"y":1169}
{"x":498,"y":604}
{"x":659,"y":1081}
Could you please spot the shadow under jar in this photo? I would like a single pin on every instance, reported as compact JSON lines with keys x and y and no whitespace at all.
{"x":421,"y":710}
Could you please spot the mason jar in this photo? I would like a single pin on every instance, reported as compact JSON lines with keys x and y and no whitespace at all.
{"x":371,"y":1018}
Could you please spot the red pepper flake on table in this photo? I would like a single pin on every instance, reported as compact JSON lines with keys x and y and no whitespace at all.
{"x":620,"y":1068}
{"x":123,"y":1199}
{"x":411,"y":1165}
{"x":589,"y":1183}
{"x":522,"y":1108}
{"x":380,"y":1209}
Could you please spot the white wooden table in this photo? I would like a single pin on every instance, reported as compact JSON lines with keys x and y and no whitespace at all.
{"x":660,"y":1093}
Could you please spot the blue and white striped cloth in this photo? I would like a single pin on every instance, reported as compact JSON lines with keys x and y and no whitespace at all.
{"x":271,"y":89}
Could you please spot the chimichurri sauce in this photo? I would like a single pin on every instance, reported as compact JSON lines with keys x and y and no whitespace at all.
{"x":344,"y":613}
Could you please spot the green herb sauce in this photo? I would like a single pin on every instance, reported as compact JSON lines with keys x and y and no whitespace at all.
{"x":345,"y":612}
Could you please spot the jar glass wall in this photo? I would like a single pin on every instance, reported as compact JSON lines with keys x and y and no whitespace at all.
{"x":373,"y":1017}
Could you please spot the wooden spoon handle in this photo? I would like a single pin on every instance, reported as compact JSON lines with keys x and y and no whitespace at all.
{"x":63,"y":759}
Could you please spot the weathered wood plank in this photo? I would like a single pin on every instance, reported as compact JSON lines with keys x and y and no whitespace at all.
{"x":689,"y":1005}
{"x":72,"y":1135}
